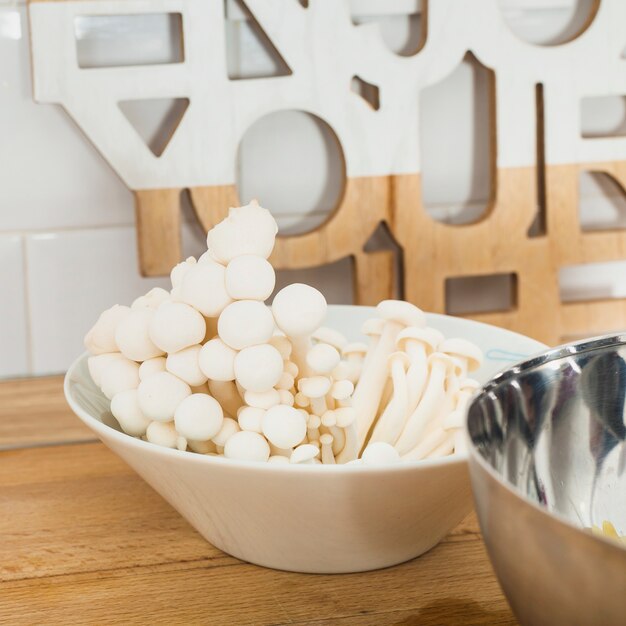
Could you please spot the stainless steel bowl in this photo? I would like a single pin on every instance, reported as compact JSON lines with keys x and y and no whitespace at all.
{"x":547,"y":461}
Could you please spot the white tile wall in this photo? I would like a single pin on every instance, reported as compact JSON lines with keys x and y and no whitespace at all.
{"x":67,"y":242}
{"x":14,"y":349}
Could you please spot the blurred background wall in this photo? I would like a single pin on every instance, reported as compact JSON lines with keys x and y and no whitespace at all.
{"x":67,"y":238}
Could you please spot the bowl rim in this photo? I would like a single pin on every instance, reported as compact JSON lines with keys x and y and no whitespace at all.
{"x":102,"y":430}
{"x":504,"y":375}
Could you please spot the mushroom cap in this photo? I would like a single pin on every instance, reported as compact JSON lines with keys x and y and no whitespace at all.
{"x":184,"y":364}
{"x":355,"y":347}
{"x":284,"y":426}
{"x":402,"y":312}
{"x":262,"y":400}
{"x":305,"y":452}
{"x":125,"y":409}
{"x":250,"y":277}
{"x":251,"y":418}
{"x":258,"y":368}
{"x":343,"y":370}
{"x":179,"y":270}
{"x":118,"y":375}
{"x":228,"y":429}
{"x":345,"y":416}
{"x":446,"y":359}
{"x":152,"y":366}
{"x":162,"y":434}
{"x":291,"y":368}
{"x":333,"y":337}
{"x":152,"y":299}
{"x":329,"y":419}
{"x":322,"y":358}
{"x":245,"y":323}
{"x":469,"y":384}
{"x":380,"y":453}
{"x":204,"y":288}
{"x":342,"y":389}
{"x":403,"y":357}
{"x":198,"y":417}
{"x":299,"y":309}
{"x":429,"y":337}
{"x":176,"y":325}
{"x":286,"y":397}
{"x":301,"y":400}
{"x":201,"y":447}
{"x":247,"y":446}
{"x":248,"y":229}
{"x":101,"y":337}
{"x":456,"y":346}
{"x":98,"y":363}
{"x":285,"y":382}
{"x":217,"y":360}
{"x":277,"y":459}
{"x":160,"y":394}
{"x":314,"y":386}
{"x":326,"y":439}
{"x":133,"y":338}
{"x":373,"y":326}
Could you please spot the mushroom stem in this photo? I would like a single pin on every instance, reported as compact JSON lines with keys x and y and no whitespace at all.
{"x":428,"y":407}
{"x":339,"y":439}
{"x":369,"y":389}
{"x":443,"y":449}
{"x":300,"y":347}
{"x":391,"y":422}
{"x":327,"y":449}
{"x":426,"y":446}
{"x":417,"y":374}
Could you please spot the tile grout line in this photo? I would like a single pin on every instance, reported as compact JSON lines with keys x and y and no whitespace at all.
{"x":27,"y":307}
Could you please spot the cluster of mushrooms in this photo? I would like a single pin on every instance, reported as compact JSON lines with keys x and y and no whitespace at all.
{"x":209,"y":367}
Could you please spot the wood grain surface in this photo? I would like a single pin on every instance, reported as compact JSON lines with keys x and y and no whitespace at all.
{"x":86,"y":541}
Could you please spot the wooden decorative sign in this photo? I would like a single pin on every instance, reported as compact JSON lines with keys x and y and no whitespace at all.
{"x":539,"y":151}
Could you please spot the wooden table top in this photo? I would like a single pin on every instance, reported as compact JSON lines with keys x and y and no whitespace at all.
{"x":85,"y":541}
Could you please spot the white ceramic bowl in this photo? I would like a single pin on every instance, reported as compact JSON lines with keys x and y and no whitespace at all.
{"x":312,"y":518}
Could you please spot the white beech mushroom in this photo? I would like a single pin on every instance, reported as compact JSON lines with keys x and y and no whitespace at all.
{"x":248,"y":229}
{"x":313,"y":423}
{"x":291,"y":368}
{"x":101,"y":337}
{"x":204,"y":288}
{"x":286,"y":397}
{"x":354,"y":354}
{"x":162,"y":434}
{"x":181,"y":443}
{"x":315,"y":388}
{"x":152,"y":366}
{"x":372,"y":328}
{"x":430,"y":404}
{"x":247,"y":446}
{"x":369,"y":390}
{"x":217,"y":360}
{"x":330,"y":336}
{"x":299,"y":310}
{"x":202,"y":447}
{"x":345,"y":418}
{"x":284,"y":426}
{"x":419,"y":344}
{"x":426,"y":445}
{"x":262,"y":399}
{"x":160,"y":394}
{"x":250,"y":277}
{"x":185,"y":365}
{"x":225,"y":392}
{"x":125,"y":409}
{"x":342,"y":389}
{"x":469,"y":354}
{"x":283,"y":345}
{"x":118,"y":375}
{"x":251,"y":418}
{"x":198,"y":417}
{"x":304,"y":454}
{"x":98,"y":363}
{"x":322,"y":358}
{"x":228,"y":429}
{"x":180,"y":270}
{"x":380,"y":453}
{"x":258,"y":368}
{"x":245,"y":323}
{"x":393,"y":418}
{"x":277,"y":459}
{"x":285,"y":382}
{"x":326,"y":442}
{"x":152,"y":299}
{"x":175,"y":326}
